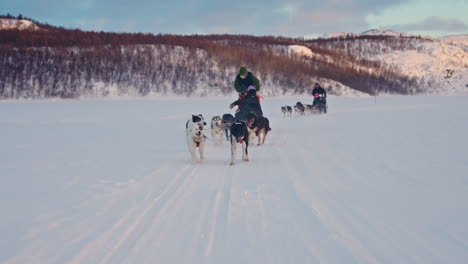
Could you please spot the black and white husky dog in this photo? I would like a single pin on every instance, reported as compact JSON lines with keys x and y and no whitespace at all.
{"x":194,"y":129}
{"x":217,"y":130}
{"x":239,"y":134}
{"x":286,"y":110}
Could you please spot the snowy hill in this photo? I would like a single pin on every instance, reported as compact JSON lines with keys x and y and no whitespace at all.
{"x":68,"y":63}
{"x":443,"y":66}
{"x":386,"y":32}
{"x":371,"y":32}
{"x":20,"y":24}
{"x":111,"y":181}
{"x":440,"y":65}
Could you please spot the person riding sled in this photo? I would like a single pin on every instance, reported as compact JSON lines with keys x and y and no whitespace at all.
{"x":244,"y":80}
{"x":319,"y":95}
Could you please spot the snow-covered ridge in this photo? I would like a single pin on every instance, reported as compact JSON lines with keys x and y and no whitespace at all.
{"x":387,"y":32}
{"x":372,"y":32}
{"x":462,"y":38}
{"x":21,"y":24}
{"x":339,"y":35}
{"x":443,"y":66}
{"x":440,"y":65}
{"x":457,"y":40}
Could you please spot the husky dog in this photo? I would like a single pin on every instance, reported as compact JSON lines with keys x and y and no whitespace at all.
{"x":217,"y":129}
{"x":227,"y":119}
{"x":299,"y":108}
{"x":287,"y":110}
{"x":194,"y":129}
{"x":239,"y":134}
{"x":258,"y":126}
{"x":284,"y":111}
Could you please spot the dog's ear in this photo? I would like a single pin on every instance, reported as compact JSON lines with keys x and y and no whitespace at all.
{"x":195,"y":119}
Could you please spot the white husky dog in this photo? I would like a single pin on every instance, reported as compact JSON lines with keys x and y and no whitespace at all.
{"x":194,"y":130}
{"x":217,"y":129}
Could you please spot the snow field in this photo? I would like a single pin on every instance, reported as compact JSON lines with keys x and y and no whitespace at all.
{"x":111,"y":181}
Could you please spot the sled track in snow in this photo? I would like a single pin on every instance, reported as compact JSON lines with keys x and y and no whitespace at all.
{"x":130,"y":228}
{"x":336,"y":229}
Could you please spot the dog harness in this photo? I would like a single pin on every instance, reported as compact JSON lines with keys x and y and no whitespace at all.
{"x":197,"y":143}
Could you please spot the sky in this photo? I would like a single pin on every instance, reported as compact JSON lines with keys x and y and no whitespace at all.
{"x":294,"y":18}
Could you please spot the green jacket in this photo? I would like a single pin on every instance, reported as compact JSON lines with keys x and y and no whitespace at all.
{"x":242,"y":84}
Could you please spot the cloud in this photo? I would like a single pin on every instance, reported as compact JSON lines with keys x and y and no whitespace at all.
{"x":274,"y":17}
{"x":260,"y":17}
{"x":433,"y":23}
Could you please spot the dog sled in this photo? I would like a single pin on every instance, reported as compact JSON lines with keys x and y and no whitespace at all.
{"x":250,"y":103}
{"x":320,"y":106}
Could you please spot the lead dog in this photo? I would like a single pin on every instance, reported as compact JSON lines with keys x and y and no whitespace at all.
{"x":239,"y":134}
{"x":258,"y":125}
{"x":194,"y":130}
{"x":217,"y":129}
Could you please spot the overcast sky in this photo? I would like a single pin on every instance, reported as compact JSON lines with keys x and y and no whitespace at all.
{"x":294,"y":18}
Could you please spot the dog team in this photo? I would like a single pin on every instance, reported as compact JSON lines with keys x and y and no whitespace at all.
{"x":226,"y":128}
{"x":248,"y":122}
{"x":318,"y":106}
{"x":301,"y":109}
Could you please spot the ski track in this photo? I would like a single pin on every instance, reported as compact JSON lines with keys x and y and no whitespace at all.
{"x":166,"y":197}
{"x":150,"y":228}
{"x":220,"y":208}
{"x":125,"y":228}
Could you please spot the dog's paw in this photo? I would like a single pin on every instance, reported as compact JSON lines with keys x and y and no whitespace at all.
{"x":246,"y":159}
{"x":231,"y":163}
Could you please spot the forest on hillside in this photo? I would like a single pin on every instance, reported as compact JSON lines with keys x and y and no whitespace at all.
{"x":68,"y":63}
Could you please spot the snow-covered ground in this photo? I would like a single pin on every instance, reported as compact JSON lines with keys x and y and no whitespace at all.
{"x":111,"y":181}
